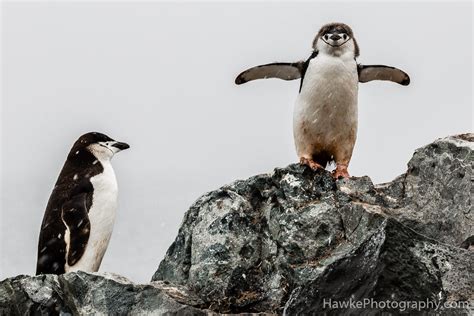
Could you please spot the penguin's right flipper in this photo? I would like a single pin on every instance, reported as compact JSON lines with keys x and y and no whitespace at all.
{"x":285,"y":71}
{"x":76,"y":218}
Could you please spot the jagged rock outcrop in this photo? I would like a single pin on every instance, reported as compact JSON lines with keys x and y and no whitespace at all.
{"x":285,"y":241}
{"x":81,"y":293}
{"x":296,"y":241}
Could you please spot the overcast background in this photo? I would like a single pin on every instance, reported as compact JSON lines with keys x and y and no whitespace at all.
{"x":160,"y":76}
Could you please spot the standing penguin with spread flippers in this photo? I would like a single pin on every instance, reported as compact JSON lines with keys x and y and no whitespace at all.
{"x":325,"y":115}
{"x":79,"y":218}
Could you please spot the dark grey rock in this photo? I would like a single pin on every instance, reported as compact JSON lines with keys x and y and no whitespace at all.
{"x":394,"y":263}
{"x":437,"y":198}
{"x":295,"y":242}
{"x":91,"y":294}
{"x":284,"y":241}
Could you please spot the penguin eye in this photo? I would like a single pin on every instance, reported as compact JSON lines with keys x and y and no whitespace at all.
{"x":326,"y":37}
{"x":344,"y":36}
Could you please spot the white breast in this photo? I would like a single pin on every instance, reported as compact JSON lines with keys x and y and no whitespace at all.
{"x":325,"y":112}
{"x":101,"y":217}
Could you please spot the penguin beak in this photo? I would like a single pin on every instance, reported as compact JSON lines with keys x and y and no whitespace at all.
{"x":120,"y":146}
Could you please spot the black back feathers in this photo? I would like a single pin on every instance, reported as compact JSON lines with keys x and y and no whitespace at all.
{"x":69,"y":203}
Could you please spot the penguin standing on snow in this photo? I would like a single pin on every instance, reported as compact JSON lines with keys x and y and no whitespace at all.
{"x":79,"y":218}
{"x":325,"y":114}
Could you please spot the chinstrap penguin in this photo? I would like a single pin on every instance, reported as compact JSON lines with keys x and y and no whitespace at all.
{"x":325,"y":113}
{"x":80,"y":214}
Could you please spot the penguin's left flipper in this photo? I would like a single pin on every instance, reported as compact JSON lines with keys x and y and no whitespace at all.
{"x":76,"y":218}
{"x":380,"y":72}
{"x":285,"y":71}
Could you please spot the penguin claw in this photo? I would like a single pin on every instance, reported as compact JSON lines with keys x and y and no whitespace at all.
{"x":310,"y":163}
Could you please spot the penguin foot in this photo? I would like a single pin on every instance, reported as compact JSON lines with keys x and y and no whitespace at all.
{"x":340,"y":171}
{"x":310,"y":163}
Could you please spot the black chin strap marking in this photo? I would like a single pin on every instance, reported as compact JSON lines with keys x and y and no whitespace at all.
{"x":335,"y":45}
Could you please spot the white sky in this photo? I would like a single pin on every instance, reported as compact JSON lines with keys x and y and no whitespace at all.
{"x":160,"y":76}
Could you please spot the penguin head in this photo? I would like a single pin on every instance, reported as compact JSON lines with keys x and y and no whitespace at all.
{"x":100,"y":145}
{"x":336,"y":39}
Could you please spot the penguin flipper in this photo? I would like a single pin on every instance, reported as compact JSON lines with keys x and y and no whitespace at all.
{"x":285,"y":71}
{"x":380,"y":72}
{"x":75,"y":216}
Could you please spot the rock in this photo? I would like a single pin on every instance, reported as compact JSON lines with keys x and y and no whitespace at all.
{"x":285,"y":241}
{"x":438,"y":188}
{"x":99,"y":293}
{"x":396,"y":264}
{"x":296,"y":241}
